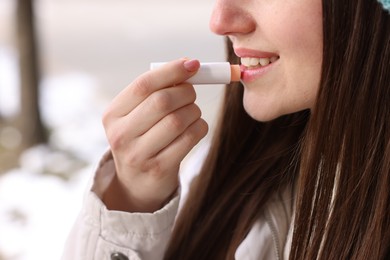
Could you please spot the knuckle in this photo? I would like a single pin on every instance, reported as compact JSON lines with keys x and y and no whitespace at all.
{"x":196,"y":132}
{"x":105,"y":120}
{"x":154,"y":168}
{"x":107,"y":116}
{"x":161,"y":101}
{"x":133,"y":159}
{"x":203,"y":128}
{"x":196,"y":111}
{"x":115,"y":138}
{"x":174,"y":122}
{"x":191,"y":138}
{"x":190,"y":92}
{"x":141,"y":87}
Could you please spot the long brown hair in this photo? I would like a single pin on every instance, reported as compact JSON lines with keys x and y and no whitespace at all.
{"x":344,"y":174}
{"x":343,"y":207}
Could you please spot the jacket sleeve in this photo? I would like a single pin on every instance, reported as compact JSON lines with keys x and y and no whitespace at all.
{"x":100,"y":233}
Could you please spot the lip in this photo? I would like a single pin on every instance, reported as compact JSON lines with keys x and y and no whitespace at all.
{"x":243,"y":52}
{"x":249,"y":75}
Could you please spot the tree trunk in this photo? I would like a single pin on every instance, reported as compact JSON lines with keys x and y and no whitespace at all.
{"x":29,"y":122}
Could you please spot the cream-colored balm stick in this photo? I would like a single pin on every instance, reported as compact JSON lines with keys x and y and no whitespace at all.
{"x":212,"y":73}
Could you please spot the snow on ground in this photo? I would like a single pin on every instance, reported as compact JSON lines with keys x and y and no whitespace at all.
{"x":36,"y":213}
{"x":40,"y":200}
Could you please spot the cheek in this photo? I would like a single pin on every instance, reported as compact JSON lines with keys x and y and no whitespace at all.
{"x":298,"y":31}
{"x":302,"y":39}
{"x":300,"y":42}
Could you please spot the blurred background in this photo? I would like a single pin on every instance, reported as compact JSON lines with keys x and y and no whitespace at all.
{"x":59,"y":69}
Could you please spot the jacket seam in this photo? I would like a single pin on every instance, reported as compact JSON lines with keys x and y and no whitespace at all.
{"x":286,"y":215}
{"x":274,"y":234}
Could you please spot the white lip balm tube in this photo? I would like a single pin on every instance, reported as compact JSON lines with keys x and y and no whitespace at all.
{"x":211,"y":73}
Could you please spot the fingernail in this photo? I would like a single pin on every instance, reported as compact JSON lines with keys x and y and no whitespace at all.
{"x":191,"y":65}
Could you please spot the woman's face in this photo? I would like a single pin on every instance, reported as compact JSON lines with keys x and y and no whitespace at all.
{"x":280,"y":46}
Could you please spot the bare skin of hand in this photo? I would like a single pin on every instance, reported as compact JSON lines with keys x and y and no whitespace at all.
{"x":151,"y":126}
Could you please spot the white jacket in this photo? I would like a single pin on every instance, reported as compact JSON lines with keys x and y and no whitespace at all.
{"x":102,"y":234}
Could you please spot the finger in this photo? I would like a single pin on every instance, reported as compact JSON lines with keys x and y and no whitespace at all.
{"x":157,"y":106}
{"x":168,"y":129}
{"x":181,"y":146}
{"x":170,"y":74}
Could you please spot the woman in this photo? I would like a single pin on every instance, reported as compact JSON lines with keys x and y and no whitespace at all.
{"x":299,"y":166}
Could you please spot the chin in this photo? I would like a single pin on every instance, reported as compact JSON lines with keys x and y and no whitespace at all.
{"x":262,"y":115}
{"x":264,"y":119}
{"x":265,"y":114}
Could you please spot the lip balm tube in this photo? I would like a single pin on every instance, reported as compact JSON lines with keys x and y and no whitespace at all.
{"x":211,"y":73}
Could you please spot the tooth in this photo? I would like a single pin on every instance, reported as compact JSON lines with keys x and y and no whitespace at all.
{"x":254,"y":61}
{"x":264,"y":61}
{"x":245,"y":62}
{"x":274,"y":58}
{"x":248,"y":62}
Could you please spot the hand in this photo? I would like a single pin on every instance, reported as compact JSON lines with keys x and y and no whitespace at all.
{"x":151,"y":126}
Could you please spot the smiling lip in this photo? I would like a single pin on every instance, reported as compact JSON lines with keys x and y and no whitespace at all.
{"x":251,"y":74}
{"x":242,"y":52}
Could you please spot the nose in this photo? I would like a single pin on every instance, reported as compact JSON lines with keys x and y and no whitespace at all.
{"x":229,"y":17}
